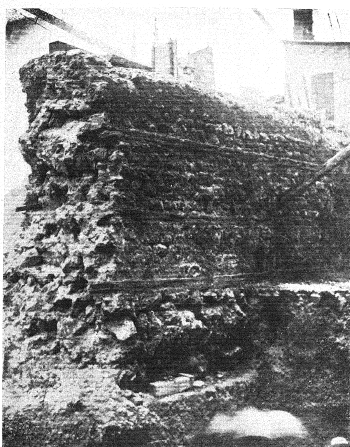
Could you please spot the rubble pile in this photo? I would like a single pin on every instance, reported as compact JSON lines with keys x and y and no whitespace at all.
{"x":147,"y":201}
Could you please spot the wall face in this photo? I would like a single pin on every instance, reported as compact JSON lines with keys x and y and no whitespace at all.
{"x":161,"y":59}
{"x":146,"y":200}
{"x":203,"y":68}
{"x":22,"y":44}
{"x":197,"y":70}
{"x":165,"y":59}
{"x":309,"y":69}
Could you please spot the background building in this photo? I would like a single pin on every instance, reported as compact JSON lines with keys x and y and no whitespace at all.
{"x":317,"y":71}
{"x":164,"y":58}
{"x":197,"y":68}
{"x":202,"y":64}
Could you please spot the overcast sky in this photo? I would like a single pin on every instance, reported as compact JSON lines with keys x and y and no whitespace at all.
{"x":245,"y":52}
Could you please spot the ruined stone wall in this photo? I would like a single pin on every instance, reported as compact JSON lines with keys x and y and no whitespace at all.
{"x":301,"y":340}
{"x":168,"y":155}
{"x":152,"y":185}
{"x":146,"y":203}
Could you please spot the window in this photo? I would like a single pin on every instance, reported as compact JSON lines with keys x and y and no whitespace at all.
{"x":303,"y":24}
{"x":323,"y":94}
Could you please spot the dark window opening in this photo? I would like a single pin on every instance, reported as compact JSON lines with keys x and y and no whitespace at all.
{"x":303,"y":24}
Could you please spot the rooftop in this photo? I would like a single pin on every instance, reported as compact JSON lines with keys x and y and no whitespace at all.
{"x":313,"y":42}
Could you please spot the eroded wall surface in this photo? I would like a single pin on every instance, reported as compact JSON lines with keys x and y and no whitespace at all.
{"x":147,"y":200}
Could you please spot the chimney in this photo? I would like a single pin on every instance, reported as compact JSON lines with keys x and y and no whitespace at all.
{"x":303,"y":24}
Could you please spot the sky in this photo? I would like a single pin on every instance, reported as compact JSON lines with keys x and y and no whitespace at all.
{"x":245,"y":52}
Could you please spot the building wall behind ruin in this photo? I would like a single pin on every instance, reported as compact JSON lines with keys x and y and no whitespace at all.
{"x":202,"y":62}
{"x":164,"y":58}
{"x":308,"y":59}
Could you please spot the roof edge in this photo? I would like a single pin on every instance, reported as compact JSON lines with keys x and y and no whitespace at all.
{"x":313,"y":42}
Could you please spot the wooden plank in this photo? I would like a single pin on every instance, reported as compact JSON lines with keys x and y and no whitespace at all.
{"x":191,"y":145}
{"x":216,"y":281}
{"x":139,"y":214}
{"x":339,"y":158}
{"x":36,"y":207}
{"x":166,"y":387}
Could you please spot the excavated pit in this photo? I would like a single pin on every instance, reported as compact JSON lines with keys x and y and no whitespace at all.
{"x":151,"y":258}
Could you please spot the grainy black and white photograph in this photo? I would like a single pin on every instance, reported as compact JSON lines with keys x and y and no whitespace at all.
{"x":176,"y":226}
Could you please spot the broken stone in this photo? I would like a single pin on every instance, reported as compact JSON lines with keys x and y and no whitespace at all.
{"x":213,"y":139}
{"x":89,"y":310}
{"x":190,"y":376}
{"x":97,"y":194}
{"x":233,"y":353}
{"x":122,"y":329}
{"x":111,"y":304}
{"x":164,"y":388}
{"x":210,"y":391}
{"x":62,"y":304}
{"x":76,"y":281}
{"x":185,"y":318}
{"x":74,"y":262}
{"x":74,"y":52}
{"x":212,"y":313}
{"x":264,"y":137}
{"x":32,"y":259}
{"x":198,"y":384}
{"x":182,"y":381}
{"x":138,"y":400}
{"x":197,"y":364}
{"x":41,"y":323}
{"x":68,"y":327}
{"x":210,"y":297}
{"x":161,"y":249}
{"x":54,"y":347}
{"x":31,"y":281}
{"x":155,"y":322}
